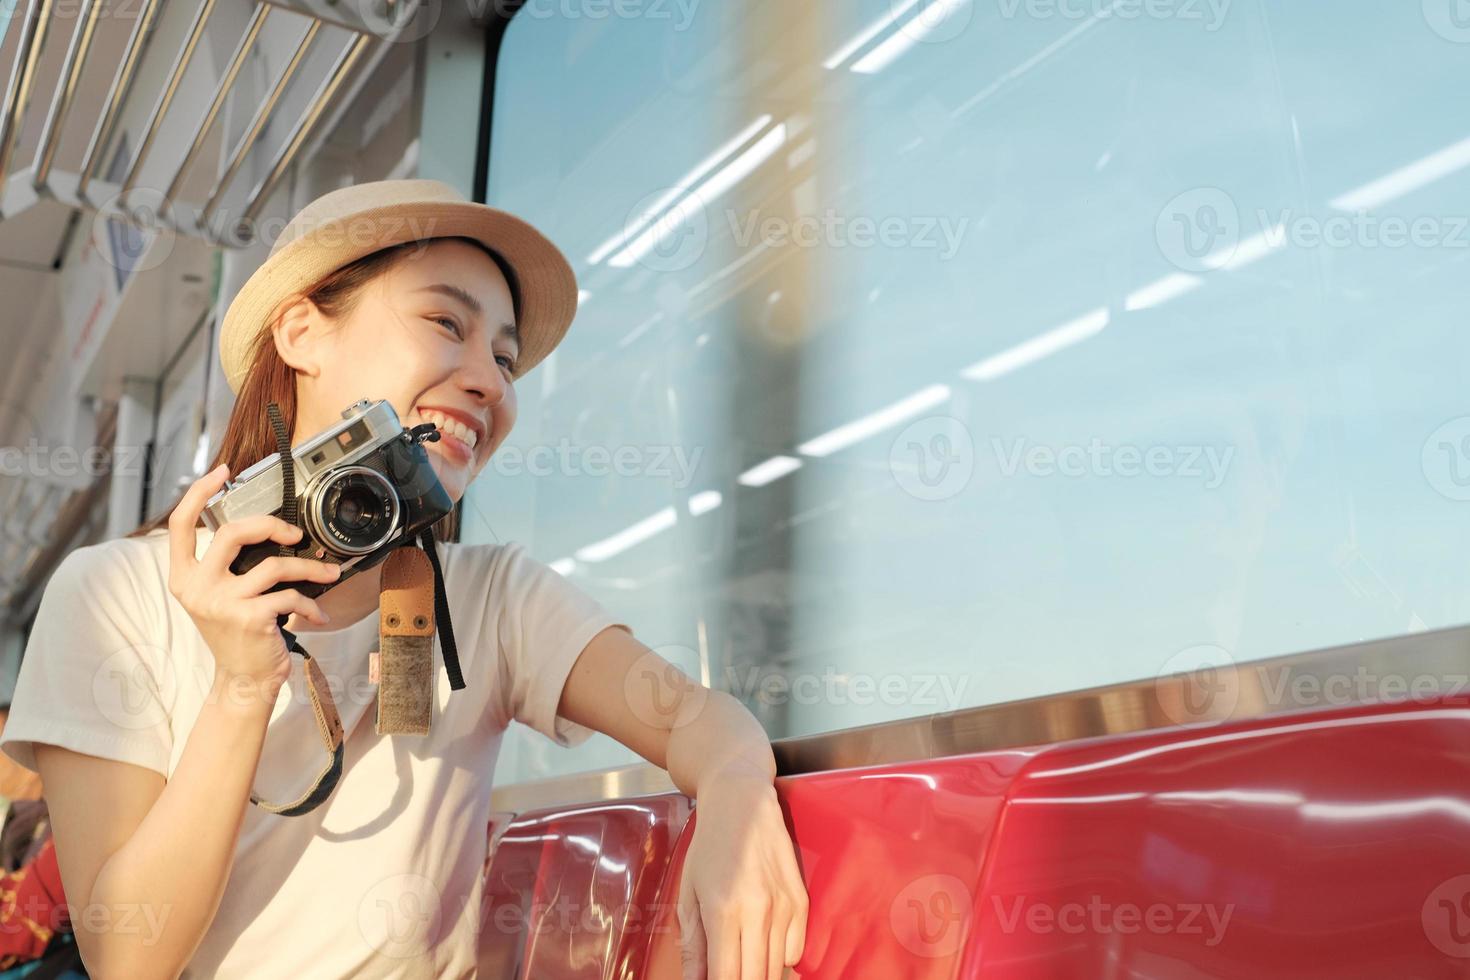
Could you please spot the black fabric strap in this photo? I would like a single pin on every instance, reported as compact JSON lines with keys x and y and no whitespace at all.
{"x":441,"y":613}
{"x":326,"y":780}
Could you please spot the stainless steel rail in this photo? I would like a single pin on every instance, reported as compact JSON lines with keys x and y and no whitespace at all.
{"x":122,"y":86}
{"x":227,"y":82}
{"x":1421,"y":665}
{"x":257,"y":123}
{"x":22,"y":80}
{"x":166,"y":97}
{"x":368,"y":27}
{"x":71,"y":72}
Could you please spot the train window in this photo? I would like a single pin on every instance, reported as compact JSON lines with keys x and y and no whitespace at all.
{"x":936,"y":353}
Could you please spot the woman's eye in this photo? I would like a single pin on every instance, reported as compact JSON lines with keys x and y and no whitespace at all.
{"x":452,"y":325}
{"x":507,"y":362}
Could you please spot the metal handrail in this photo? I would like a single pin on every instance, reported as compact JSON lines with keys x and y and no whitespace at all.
{"x":71,"y":73}
{"x":1417,"y":667}
{"x":262,"y":115}
{"x":22,"y":79}
{"x":166,"y":97}
{"x":122,"y":85}
{"x":232,"y":72}
{"x":338,"y":76}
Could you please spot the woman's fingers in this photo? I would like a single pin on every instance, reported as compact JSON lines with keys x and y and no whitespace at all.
{"x":288,"y":601}
{"x":776,"y":944}
{"x":755,"y":927}
{"x":234,"y":535}
{"x":722,"y":936}
{"x":795,"y":939}
{"x":693,"y":951}
{"x":277,"y":569}
{"x":182,"y":537}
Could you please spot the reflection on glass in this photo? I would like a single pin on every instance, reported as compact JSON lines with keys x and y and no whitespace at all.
{"x":939,"y":353}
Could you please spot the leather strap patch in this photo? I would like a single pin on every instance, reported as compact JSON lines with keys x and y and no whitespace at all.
{"x":406,"y":644}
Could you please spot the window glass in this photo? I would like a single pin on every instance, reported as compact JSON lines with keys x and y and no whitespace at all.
{"x":1008,"y":348}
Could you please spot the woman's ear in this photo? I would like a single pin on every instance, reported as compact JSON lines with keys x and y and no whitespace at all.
{"x":297,"y":333}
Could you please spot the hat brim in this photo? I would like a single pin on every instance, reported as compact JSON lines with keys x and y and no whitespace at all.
{"x":547,"y":285}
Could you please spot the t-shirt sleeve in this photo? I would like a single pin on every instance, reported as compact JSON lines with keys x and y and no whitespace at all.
{"x":93,"y":677}
{"x":545,"y":623}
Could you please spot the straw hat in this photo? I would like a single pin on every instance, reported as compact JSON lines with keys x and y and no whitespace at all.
{"x":346,"y":224}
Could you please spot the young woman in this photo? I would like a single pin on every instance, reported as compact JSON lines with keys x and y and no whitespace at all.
{"x":157,"y":692}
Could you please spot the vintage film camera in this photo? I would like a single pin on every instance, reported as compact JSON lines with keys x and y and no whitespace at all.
{"x":363,"y":487}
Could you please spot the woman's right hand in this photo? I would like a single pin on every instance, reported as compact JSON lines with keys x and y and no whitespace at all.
{"x":235,"y":614}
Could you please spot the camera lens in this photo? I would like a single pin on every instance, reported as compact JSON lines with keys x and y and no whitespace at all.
{"x":354,"y":510}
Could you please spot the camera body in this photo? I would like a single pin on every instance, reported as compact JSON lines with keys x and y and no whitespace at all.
{"x":363,"y":487}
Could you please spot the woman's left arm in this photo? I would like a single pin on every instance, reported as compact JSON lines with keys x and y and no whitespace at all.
{"x":742,"y":905}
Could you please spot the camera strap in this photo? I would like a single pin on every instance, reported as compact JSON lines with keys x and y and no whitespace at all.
{"x":405,"y":692}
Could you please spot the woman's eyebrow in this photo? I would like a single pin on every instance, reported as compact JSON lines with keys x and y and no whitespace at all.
{"x":513,"y":332}
{"x":509,"y":330}
{"x":455,"y":292}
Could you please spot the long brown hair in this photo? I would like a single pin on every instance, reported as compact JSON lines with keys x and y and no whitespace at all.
{"x":248,"y":437}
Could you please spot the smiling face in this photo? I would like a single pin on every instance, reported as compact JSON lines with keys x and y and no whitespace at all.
{"x":434,"y":335}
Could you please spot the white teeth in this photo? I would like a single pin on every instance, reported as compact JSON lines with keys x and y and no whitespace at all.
{"x":454,"y":427}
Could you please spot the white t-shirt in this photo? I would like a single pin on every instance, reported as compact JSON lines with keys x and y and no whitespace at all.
{"x":384,"y":878}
